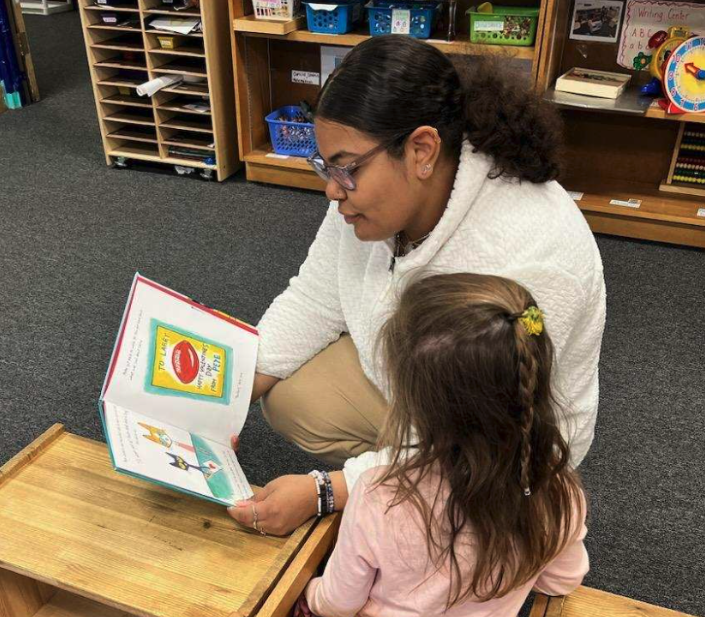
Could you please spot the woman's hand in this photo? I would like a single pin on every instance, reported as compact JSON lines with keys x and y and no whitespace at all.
{"x":281,"y":506}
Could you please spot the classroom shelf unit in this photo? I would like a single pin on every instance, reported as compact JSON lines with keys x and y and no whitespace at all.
{"x":164,"y":128}
{"x":612,"y":156}
{"x":265,"y":53}
{"x":621,"y":161}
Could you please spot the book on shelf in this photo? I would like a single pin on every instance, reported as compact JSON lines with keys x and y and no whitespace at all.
{"x":178,"y":386}
{"x":593,"y":83}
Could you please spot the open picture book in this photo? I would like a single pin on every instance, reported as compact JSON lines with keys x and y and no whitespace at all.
{"x":178,"y":386}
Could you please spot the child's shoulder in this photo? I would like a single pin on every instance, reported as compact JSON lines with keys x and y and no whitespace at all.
{"x":374,"y":489}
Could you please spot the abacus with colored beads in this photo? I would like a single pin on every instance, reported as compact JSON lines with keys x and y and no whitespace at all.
{"x":687,"y":173}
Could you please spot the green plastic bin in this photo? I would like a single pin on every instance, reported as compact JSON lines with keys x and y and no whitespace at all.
{"x":506,"y":25}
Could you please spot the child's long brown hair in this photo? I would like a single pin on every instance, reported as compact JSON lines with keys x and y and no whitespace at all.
{"x":471,"y":388}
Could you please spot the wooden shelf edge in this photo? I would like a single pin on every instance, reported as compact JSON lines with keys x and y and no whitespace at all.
{"x":177,"y":52}
{"x":155,"y":158}
{"x":268,"y":174}
{"x":251,"y":27}
{"x":197,"y":35}
{"x":177,"y":72}
{"x":32,"y":451}
{"x":182,"y":127}
{"x":657,"y":113}
{"x":111,"y":9}
{"x":646,"y":229}
{"x":261,"y":156}
{"x":600,"y":204}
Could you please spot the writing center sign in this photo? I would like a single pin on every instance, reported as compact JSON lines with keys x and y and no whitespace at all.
{"x":643,"y":18}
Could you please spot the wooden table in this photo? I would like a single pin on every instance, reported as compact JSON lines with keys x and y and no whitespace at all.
{"x":586,"y":602}
{"x":77,"y":539}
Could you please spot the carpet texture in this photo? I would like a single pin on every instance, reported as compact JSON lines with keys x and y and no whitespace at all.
{"x":74,"y":232}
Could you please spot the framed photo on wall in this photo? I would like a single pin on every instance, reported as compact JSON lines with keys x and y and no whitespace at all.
{"x":596,"y":20}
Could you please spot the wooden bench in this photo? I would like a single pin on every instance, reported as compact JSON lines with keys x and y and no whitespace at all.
{"x":586,"y":602}
{"x":78,"y":539}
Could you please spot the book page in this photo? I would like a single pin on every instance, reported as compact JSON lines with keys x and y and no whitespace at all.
{"x":181,"y":363}
{"x":165,"y":454}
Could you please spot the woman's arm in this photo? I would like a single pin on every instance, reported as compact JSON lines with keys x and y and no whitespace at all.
{"x":307,"y":316}
{"x":263,"y":384}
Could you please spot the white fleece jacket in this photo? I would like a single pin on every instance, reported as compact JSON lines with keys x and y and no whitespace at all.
{"x":532,"y":233}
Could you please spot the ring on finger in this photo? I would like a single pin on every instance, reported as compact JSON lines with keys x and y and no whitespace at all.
{"x":256,"y":518}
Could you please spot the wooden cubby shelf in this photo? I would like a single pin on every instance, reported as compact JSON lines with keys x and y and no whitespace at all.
{"x":295,"y":31}
{"x":112,"y":9}
{"x":122,"y":57}
{"x":612,"y":155}
{"x":266,"y":52}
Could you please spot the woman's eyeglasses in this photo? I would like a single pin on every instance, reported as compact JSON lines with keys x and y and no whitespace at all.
{"x":343,"y":175}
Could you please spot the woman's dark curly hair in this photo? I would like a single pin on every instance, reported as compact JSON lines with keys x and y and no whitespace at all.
{"x":390,"y":85}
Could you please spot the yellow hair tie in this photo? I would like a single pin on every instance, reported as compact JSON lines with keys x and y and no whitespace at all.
{"x":532,"y":320}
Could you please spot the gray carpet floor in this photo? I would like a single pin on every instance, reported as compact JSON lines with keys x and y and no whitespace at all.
{"x":73,"y":233}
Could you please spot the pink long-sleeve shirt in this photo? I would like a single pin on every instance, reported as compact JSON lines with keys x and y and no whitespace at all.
{"x":380,"y":565}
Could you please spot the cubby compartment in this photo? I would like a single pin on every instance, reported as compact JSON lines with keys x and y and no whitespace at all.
{"x":130,"y":132}
{"x":105,"y":21}
{"x":169,"y":7}
{"x":116,"y":6}
{"x":187,"y":122}
{"x":128,"y":114}
{"x":170,"y":44}
{"x":187,"y":139}
{"x":191,"y":123}
{"x":129,"y":41}
{"x":122,"y":78}
{"x":123,"y":95}
{"x":184,"y":103}
{"x":179,"y":65}
{"x":119,"y":59}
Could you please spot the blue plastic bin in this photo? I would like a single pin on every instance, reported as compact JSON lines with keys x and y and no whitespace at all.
{"x":333,"y":17}
{"x":421,"y":17}
{"x":289,"y":136}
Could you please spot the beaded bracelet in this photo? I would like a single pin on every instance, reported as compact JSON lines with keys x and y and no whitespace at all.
{"x":324,"y":489}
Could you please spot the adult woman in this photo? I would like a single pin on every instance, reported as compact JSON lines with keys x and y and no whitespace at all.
{"x":423,"y":172}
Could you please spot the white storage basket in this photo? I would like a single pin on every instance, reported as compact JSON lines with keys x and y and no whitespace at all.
{"x":276,"y":10}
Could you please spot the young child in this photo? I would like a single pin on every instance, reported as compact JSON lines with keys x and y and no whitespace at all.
{"x":484,"y":508}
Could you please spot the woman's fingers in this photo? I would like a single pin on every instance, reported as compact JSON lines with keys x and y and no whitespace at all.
{"x":281,"y":506}
{"x":244,"y":513}
{"x":235,"y":442}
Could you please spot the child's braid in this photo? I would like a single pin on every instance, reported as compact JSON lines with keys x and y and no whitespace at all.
{"x":528,"y":379}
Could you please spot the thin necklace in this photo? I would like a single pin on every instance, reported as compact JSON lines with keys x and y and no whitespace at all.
{"x":402,"y":248}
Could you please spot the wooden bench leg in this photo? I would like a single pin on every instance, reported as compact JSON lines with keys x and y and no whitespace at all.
{"x":21,"y":596}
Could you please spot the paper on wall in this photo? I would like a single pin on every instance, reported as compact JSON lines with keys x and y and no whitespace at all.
{"x":331,"y":57}
{"x":643,"y":18}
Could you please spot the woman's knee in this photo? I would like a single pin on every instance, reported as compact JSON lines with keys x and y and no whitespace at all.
{"x":281,"y":409}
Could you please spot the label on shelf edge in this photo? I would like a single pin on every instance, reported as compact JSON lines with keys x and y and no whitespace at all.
{"x":631,"y":203}
{"x":701,"y":212}
{"x":575,"y":195}
{"x":274,"y":155}
{"x":306,"y":77}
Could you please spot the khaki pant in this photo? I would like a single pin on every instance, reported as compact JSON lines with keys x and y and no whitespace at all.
{"x":328,"y":407}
